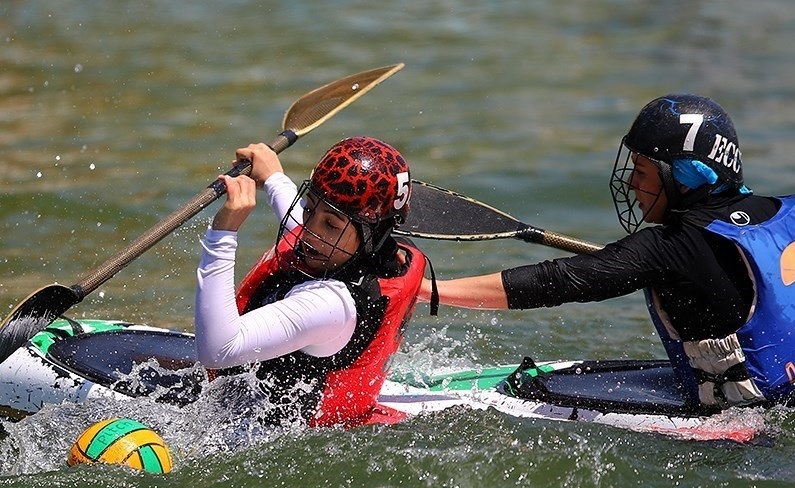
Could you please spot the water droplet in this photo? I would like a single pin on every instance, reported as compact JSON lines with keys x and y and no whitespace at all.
{"x":355,"y":86}
{"x":78,"y":68}
{"x":38,"y":175}
{"x":92,"y":167}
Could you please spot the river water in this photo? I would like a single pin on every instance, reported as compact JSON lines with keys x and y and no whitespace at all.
{"x":114,"y":114}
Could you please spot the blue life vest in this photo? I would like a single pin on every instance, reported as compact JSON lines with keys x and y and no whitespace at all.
{"x":768,"y":337}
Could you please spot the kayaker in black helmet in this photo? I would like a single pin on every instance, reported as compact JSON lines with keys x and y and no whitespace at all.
{"x":717,"y":266}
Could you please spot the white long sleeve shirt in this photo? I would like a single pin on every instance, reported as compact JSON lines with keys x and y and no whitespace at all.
{"x":317,"y":317}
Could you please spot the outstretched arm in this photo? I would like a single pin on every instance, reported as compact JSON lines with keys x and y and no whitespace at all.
{"x":484,"y":292}
{"x":316,"y":317}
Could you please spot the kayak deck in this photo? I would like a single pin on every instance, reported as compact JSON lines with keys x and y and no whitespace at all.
{"x":129,"y":360}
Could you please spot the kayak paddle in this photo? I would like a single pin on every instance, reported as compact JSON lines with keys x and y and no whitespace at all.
{"x":437,"y":213}
{"x":44,"y":305}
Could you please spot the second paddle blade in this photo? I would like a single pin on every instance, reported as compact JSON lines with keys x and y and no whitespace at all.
{"x":33,"y":314}
{"x":437,"y":213}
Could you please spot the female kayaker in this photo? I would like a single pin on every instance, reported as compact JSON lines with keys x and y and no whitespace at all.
{"x":717,"y":267}
{"x":320,"y":314}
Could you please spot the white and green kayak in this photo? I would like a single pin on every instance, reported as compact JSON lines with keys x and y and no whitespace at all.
{"x":73,"y":361}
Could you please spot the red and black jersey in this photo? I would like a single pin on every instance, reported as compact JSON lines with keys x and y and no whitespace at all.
{"x":342,"y":388}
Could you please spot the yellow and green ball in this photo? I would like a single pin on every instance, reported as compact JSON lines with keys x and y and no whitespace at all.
{"x":121,"y":441}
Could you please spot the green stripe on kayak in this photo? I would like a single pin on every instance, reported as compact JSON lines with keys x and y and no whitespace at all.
{"x":467,"y":380}
{"x":544,"y":368}
{"x":63,"y":328}
{"x":463,"y":380}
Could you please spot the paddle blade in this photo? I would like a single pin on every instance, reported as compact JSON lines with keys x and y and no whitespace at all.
{"x":437,"y":213}
{"x":322,"y":103}
{"x":34,"y":314}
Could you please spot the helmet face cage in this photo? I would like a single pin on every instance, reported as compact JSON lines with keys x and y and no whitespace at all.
{"x":362,"y":178}
{"x":630,"y":216}
{"x":302,"y":251}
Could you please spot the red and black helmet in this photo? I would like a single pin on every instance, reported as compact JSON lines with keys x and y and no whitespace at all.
{"x":366,"y":179}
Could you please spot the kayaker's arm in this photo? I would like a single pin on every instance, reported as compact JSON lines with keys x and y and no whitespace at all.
{"x":483,"y":292}
{"x":316,"y":317}
{"x":280,"y":191}
{"x":586,"y":277}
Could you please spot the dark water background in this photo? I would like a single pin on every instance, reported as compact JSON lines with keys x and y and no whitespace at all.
{"x":113,"y":114}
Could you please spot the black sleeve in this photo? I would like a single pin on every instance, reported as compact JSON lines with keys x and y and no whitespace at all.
{"x":701,"y":278}
{"x":619,"y":269}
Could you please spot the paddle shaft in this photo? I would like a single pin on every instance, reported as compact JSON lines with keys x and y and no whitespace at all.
{"x":93,"y":279}
{"x":304,"y":115}
{"x":558,"y":241}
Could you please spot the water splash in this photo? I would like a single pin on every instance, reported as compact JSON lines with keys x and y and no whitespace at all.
{"x":432,"y":354}
{"x":230,"y":414}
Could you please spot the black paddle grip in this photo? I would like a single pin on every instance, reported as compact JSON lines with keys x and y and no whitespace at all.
{"x":530,"y":234}
{"x":282,"y":141}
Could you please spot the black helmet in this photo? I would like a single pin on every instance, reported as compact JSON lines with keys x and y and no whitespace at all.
{"x":672,"y":128}
{"x":688,"y":126}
